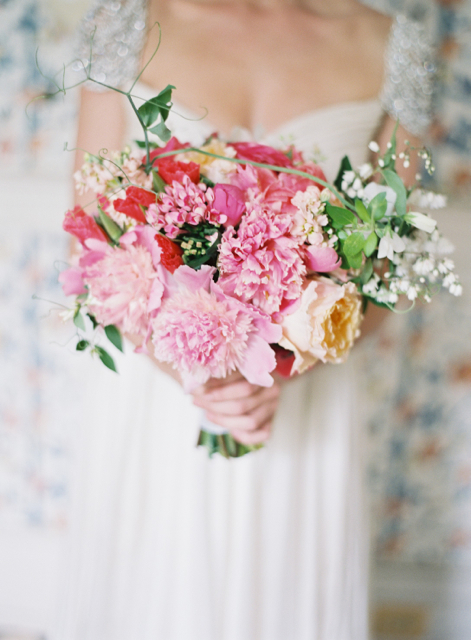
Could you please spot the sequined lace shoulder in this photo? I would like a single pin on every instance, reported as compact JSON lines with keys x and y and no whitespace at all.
{"x":119,"y":29}
{"x":410,"y":68}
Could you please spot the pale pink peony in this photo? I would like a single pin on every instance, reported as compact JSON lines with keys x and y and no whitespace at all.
{"x":204,"y":333}
{"x":261,"y":263}
{"x":184,"y":202}
{"x":124,"y":284}
{"x":325,"y":325}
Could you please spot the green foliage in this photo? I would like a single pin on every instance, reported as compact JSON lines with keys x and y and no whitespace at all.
{"x":157,"y":182}
{"x":367,"y":271}
{"x":362,"y":211}
{"x":154,"y":113}
{"x":113,"y":230}
{"x":82,"y":345}
{"x":378,"y":206}
{"x":395,"y":182}
{"x":370,"y":244}
{"x":114,"y":336}
{"x":105,"y":358}
{"x":345,"y":165}
{"x":340,"y":217}
{"x":79,"y":322}
{"x":353,"y":244}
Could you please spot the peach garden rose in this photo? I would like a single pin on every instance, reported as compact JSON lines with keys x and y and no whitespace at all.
{"x":325,"y":325}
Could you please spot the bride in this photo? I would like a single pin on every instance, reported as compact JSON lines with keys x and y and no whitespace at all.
{"x":168,"y":544}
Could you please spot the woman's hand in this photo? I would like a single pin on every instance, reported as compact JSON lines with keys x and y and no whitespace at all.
{"x":244,"y":409}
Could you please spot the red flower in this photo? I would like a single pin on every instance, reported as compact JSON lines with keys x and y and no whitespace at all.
{"x":172,"y":145}
{"x":261,"y":153}
{"x":136,"y":200}
{"x":284,"y":360}
{"x":171,"y":256}
{"x":82,"y":226}
{"x":170,"y":170}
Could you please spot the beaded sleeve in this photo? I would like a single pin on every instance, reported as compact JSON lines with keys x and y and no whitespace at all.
{"x":410,"y":67}
{"x":118,"y":29}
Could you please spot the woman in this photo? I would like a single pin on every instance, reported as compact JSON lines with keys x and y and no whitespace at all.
{"x":272,"y":546}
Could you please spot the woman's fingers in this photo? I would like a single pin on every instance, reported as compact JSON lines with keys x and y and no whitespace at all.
{"x":238,"y":405}
{"x":247,"y":422}
{"x":253,"y":437}
{"x":230,"y":391}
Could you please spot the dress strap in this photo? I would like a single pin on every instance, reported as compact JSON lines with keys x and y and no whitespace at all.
{"x":409,"y":78}
{"x":119,"y":29}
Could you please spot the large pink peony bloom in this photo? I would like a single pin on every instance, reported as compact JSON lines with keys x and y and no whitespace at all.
{"x":125,"y":282}
{"x":204,"y":333}
{"x":182,"y":203}
{"x":261,"y":263}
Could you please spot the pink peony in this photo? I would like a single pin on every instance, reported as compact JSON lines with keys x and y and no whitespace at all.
{"x":184,"y":203}
{"x":321,"y":259}
{"x":124,"y":285}
{"x":261,"y":263}
{"x":204,"y":333}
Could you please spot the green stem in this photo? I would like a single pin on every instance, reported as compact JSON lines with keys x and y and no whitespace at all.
{"x":144,"y":128}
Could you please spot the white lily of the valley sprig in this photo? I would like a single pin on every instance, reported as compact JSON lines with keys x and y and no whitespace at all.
{"x":427,"y":199}
{"x":390,"y":244}
{"x":372,"y":189}
{"x":420,"y":221}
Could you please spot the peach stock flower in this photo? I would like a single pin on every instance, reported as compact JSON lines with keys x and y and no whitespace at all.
{"x":325,"y":325}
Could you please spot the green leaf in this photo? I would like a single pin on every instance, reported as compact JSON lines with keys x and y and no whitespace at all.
{"x":353,"y":244}
{"x":106,"y":358}
{"x":93,"y":319}
{"x":142,"y":145}
{"x":370,"y":244}
{"x":345,"y":165}
{"x":207,"y":181}
{"x":79,"y":322}
{"x":378,"y":206}
{"x":112,"y":229}
{"x":362,"y":211}
{"x":157,"y":182}
{"x":356,"y":261}
{"x":395,"y":182}
{"x":339,"y":217}
{"x":367,"y":272}
{"x":162,"y":131}
{"x":82,"y":345}
{"x":114,"y":336}
{"x":158,"y":106}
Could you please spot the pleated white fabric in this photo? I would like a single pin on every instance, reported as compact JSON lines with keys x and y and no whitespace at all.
{"x":170,"y":545}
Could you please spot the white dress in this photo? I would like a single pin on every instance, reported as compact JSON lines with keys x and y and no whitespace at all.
{"x":171,"y":545}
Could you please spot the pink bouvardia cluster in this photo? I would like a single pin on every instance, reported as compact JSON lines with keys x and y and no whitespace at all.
{"x":262,"y":263}
{"x":205,"y":333}
{"x":184,"y":202}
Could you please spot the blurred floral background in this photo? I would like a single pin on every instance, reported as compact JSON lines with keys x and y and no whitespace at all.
{"x":417,"y":371}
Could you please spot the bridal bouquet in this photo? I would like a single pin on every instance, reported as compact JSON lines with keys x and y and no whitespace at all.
{"x":239,"y":256}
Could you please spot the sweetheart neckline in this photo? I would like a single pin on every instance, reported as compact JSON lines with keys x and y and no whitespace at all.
{"x":191,"y":114}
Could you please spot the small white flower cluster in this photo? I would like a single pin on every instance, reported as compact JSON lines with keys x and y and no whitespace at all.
{"x":422,"y":268}
{"x":352,"y":184}
{"x":427,"y":199}
{"x":94,"y":176}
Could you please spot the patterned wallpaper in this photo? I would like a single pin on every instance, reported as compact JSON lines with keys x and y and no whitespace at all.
{"x":417,"y":371}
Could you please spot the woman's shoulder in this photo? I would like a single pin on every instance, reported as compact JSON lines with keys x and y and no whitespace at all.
{"x":409,"y":75}
{"x":110,"y":39}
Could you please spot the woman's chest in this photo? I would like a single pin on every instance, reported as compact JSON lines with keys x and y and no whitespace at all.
{"x":262,"y":73}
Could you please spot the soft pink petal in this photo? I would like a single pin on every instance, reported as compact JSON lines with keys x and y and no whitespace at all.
{"x":259,"y":359}
{"x":72,"y":282}
{"x":194,"y":280}
{"x":321,"y":259}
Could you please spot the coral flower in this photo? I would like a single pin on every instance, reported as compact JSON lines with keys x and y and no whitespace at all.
{"x":135,"y":203}
{"x":82,"y":226}
{"x":261,"y":263}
